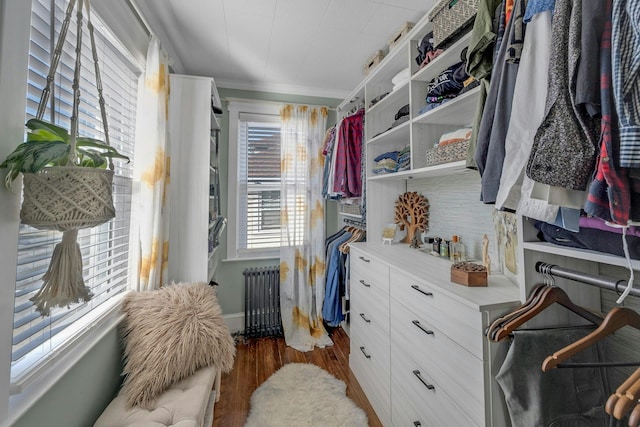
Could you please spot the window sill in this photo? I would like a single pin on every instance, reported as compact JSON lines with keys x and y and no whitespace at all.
{"x":31,"y":388}
{"x":249,"y":259}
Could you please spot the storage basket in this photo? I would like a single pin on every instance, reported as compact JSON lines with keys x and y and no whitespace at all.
{"x":399,"y":35}
{"x":372,"y":62}
{"x":451,"y":18}
{"x":447,"y":153}
{"x":67,"y":197}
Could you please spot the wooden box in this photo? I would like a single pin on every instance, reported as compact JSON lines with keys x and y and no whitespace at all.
{"x":399,"y":35}
{"x":373,"y":61}
{"x":468,"y":274}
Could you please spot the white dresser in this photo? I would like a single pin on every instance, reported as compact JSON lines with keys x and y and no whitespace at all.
{"x":417,"y":343}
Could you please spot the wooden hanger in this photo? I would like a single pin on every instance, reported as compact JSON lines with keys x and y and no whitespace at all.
{"x":620,"y":391}
{"x":634,"y":418}
{"x":627,"y":400}
{"x":493,"y":329}
{"x":614,"y":320}
{"x":547,"y":296}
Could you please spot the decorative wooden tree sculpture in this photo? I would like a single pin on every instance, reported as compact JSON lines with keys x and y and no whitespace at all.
{"x":412,"y":213}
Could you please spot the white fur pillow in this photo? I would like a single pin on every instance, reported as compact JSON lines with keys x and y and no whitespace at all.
{"x":169,"y":334}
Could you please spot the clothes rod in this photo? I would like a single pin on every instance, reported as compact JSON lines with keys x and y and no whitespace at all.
{"x":617,"y":286}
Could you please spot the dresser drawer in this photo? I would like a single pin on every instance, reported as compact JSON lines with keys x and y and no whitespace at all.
{"x":425,"y":400}
{"x":373,"y":375}
{"x":459,"y":322}
{"x":375,"y":341}
{"x":368,"y":272}
{"x":459,"y":373}
{"x":370,"y":309}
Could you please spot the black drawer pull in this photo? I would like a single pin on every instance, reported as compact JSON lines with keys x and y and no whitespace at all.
{"x":417,"y":423}
{"x":422,"y":328}
{"x":365,"y":283}
{"x":417,"y":374}
{"x":364,"y":259}
{"x":364,"y":318}
{"x":368,"y":356}
{"x":417,"y":288}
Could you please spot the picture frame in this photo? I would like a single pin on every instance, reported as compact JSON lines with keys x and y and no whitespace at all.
{"x":389,"y":233}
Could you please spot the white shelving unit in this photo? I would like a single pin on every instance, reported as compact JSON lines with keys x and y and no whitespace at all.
{"x":194,"y":187}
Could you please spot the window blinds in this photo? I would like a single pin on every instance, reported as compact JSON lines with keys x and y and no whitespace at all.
{"x":259,"y":181}
{"x":105,"y":249}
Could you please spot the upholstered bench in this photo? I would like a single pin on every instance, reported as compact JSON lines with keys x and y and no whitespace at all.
{"x":176,"y":345}
{"x":187,"y":403}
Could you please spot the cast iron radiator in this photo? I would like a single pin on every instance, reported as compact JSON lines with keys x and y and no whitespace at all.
{"x":262,"y":302}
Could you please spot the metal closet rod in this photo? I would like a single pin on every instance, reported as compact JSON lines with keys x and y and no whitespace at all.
{"x":590,"y":279}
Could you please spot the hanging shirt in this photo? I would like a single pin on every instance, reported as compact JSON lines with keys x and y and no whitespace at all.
{"x":610,"y":196}
{"x":526,"y":116}
{"x":348,"y":156}
{"x":625,"y":38}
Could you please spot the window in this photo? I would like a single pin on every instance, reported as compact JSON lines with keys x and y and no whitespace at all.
{"x":254,"y":185}
{"x":259,"y":167}
{"x":105,"y":249}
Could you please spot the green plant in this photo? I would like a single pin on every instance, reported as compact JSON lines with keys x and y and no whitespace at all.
{"x":49,"y":145}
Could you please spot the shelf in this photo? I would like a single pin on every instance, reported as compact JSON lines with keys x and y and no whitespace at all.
{"x":583,"y":254}
{"x":350,"y":215}
{"x":459,"y":111}
{"x":445,"y":169}
{"x":399,"y":132}
{"x":446,"y":59}
{"x":393,"y":98}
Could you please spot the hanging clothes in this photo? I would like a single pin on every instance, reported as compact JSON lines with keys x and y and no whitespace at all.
{"x":479,"y":63}
{"x":527,"y":116}
{"x":563,"y":397}
{"x":490,"y":150}
{"x":347,"y":179}
{"x":564,"y":148}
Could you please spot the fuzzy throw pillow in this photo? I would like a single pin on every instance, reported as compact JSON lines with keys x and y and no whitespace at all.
{"x":169,"y":334}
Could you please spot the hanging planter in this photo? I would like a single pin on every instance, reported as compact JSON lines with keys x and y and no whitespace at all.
{"x":67,"y":185}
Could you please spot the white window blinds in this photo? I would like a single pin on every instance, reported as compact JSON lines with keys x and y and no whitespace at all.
{"x":259,"y":186}
{"x":105,"y":249}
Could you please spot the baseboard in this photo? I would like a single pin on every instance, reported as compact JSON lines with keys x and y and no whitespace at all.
{"x":235,"y":322}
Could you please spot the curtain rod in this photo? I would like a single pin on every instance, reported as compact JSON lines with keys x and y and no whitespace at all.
{"x":590,"y":279}
{"x":260,"y":101}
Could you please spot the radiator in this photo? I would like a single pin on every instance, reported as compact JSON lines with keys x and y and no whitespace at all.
{"x":262,"y":302}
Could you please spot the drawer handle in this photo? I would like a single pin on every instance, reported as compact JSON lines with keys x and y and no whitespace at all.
{"x":426,"y":384}
{"x":364,"y":259}
{"x":365,"y":283}
{"x":368,"y":356}
{"x":422,"y":328}
{"x":417,"y":288}
{"x":417,"y":423}
{"x":364,"y":318}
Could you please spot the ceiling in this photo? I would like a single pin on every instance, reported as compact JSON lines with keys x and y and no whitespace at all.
{"x":304,"y":47}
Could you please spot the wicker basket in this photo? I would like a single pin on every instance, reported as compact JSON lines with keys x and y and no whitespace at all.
{"x":450,"y":19}
{"x":448,"y":153}
{"x":67,"y":197}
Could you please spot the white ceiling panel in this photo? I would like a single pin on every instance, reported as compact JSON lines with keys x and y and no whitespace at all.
{"x":311,"y":47}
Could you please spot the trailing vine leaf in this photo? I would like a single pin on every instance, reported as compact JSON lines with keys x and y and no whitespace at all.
{"x":37,"y":156}
{"x":91,"y":158}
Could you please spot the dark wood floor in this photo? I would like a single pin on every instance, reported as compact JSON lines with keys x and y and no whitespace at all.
{"x":257,"y":359}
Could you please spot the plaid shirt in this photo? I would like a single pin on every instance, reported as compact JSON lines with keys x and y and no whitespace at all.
{"x":610,"y":194}
{"x":625,"y":36}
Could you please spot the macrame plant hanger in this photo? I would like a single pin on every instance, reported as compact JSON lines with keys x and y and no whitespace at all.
{"x":68,"y":198}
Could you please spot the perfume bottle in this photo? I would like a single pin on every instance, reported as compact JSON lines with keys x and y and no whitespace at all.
{"x":454,"y":249}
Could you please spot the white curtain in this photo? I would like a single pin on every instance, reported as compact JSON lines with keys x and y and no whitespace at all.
{"x":302,"y":260}
{"x":151,"y":173}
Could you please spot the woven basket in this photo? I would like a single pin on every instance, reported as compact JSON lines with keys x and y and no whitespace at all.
{"x":450,"y":19}
{"x":67,"y":197}
{"x":448,"y":153}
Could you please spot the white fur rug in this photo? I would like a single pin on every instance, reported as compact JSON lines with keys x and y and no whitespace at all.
{"x":302,"y":394}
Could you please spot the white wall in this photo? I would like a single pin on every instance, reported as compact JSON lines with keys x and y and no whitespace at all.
{"x":14,"y":52}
